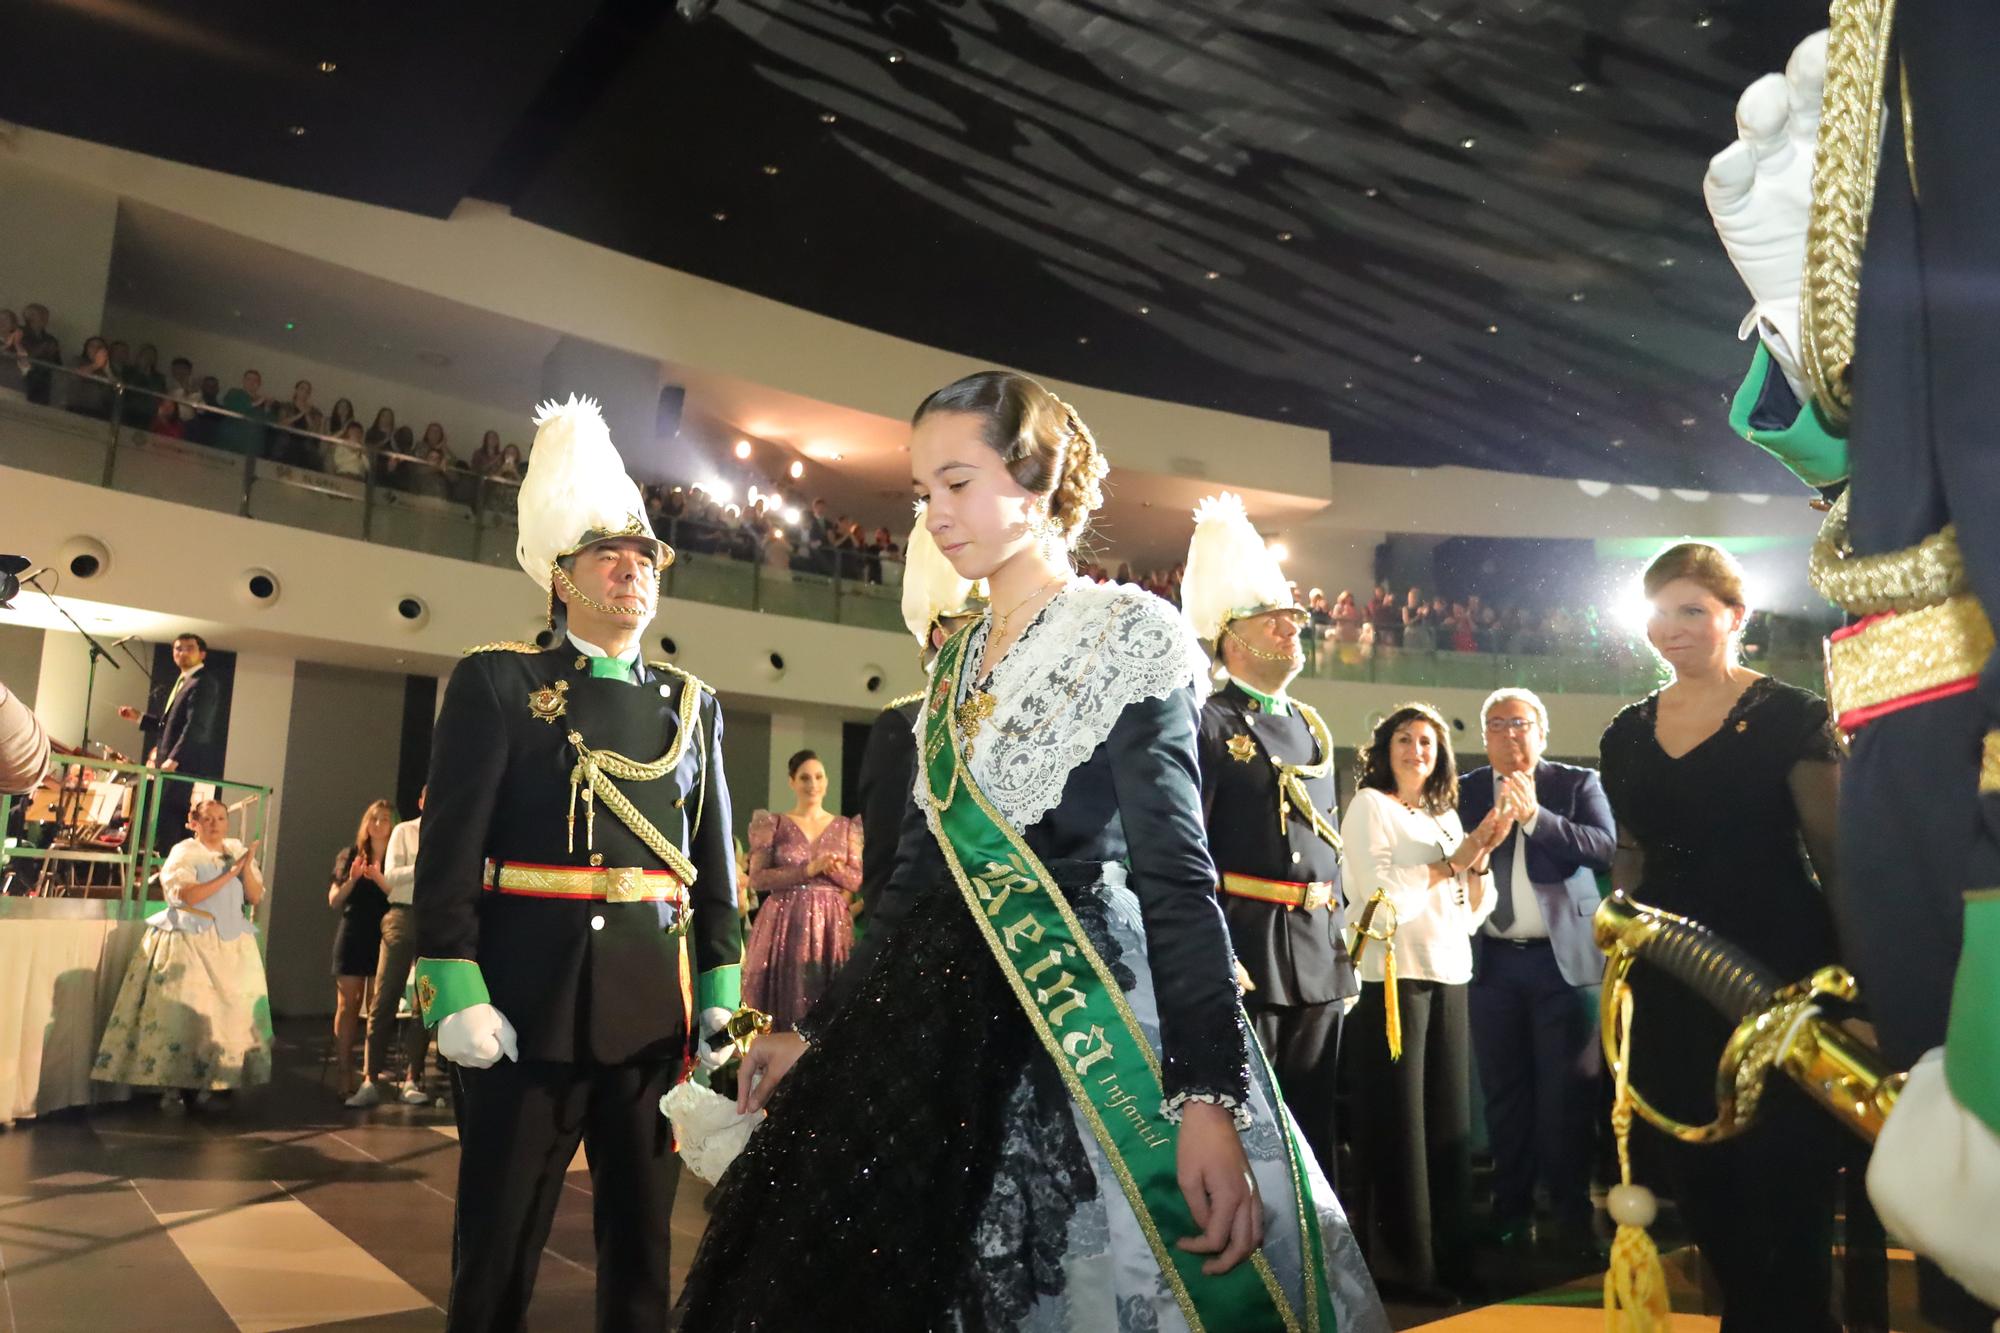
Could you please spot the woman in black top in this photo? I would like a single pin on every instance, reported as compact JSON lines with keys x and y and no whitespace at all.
{"x":1725,"y":785}
{"x":358,"y":894}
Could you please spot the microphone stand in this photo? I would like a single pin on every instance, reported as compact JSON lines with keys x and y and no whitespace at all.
{"x":97,"y":651}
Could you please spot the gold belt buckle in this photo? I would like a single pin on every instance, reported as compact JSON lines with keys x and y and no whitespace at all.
{"x":628,"y":885}
{"x":1318,"y":895}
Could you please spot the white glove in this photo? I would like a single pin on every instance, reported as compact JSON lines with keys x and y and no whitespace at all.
{"x":1347,"y":1005}
{"x":712,"y":1021}
{"x":477,"y":1036}
{"x":1759,"y":192}
{"x":1935,"y":1180}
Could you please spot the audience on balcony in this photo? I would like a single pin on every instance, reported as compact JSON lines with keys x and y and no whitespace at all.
{"x":93,"y":387}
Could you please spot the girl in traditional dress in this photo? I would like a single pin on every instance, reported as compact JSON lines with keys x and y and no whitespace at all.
{"x":193,"y":1012}
{"x":1031,"y":1100}
{"x":805,"y":865}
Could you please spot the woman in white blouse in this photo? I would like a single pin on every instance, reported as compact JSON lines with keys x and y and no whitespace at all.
{"x":1413,"y":1114}
{"x":193,"y":1012}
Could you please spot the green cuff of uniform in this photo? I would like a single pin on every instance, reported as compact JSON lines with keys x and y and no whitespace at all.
{"x":1972,"y":1041}
{"x":719,"y":988}
{"x":1809,"y":448}
{"x":447,"y":985}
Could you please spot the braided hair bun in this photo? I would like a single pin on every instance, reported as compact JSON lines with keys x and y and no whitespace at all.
{"x":1043,"y":442}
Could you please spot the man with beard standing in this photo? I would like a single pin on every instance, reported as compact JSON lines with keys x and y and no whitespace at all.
{"x":575,"y":898}
{"x":1268,"y":798}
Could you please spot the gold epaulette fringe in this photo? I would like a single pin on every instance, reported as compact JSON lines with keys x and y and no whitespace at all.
{"x":502,"y":647}
{"x":684,"y":674}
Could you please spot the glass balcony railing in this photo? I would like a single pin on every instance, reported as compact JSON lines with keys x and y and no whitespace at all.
{"x":1618,"y":670}
{"x":234,"y":463}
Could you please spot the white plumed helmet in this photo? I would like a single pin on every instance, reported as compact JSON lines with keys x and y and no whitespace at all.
{"x":1231,"y":572}
{"x":576,"y":491}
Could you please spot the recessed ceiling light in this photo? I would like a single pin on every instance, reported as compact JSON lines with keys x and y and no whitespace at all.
{"x":828,"y":118}
{"x":1704,"y":20}
{"x":1371,"y":192}
{"x":1467,"y":142}
{"x":770,"y":168}
{"x":296,"y":131}
{"x":1145,"y":310}
{"x":327,"y":67}
{"x":1576,"y":296}
{"x":743,"y":448}
{"x":1667,"y":262}
{"x":1284,"y":236}
{"x":1211,"y":275}
{"x":894,"y":57}
{"x":1579,"y":87}
{"x":1493,"y":328}
{"x":719,"y":215}
{"x":797,"y":469}
{"x":1348,"y":385}
{"x":1417,"y":359}
{"x":1687,"y":421}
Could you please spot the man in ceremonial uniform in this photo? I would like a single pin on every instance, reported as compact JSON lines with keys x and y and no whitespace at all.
{"x":1878,"y":310}
{"x":936,"y":603}
{"x":575,"y":898}
{"x":1268,"y":797}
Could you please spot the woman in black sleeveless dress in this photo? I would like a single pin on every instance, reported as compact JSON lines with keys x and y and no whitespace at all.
{"x":1727,"y":824}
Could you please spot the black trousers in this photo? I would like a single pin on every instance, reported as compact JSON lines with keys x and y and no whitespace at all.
{"x":1540,"y":1064}
{"x":518,"y":1127}
{"x":1413,"y":1135}
{"x":1303,"y":1044}
{"x":1760,"y":1208}
{"x":1914,"y":835}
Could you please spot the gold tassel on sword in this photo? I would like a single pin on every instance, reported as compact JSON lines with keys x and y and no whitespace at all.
{"x":1364,"y":931}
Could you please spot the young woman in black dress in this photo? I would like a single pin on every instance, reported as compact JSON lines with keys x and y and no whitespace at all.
{"x":358,"y":894}
{"x":1725,"y":785}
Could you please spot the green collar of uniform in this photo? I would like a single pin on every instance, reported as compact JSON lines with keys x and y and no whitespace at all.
{"x":604,"y":666}
{"x":1275,"y":704}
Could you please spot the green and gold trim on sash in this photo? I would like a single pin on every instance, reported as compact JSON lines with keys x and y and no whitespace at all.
{"x":1082,"y":1018}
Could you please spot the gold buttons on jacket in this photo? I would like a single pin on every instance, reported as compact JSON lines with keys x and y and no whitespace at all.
{"x":597,"y":858}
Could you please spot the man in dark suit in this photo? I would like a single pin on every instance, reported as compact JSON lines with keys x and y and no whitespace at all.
{"x":183,"y":734}
{"x":937,"y":603}
{"x":1268,"y":798}
{"x":1536,"y":971}
{"x":575,"y":900}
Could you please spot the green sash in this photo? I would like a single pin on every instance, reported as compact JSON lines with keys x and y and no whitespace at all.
{"x":1084,"y":1022}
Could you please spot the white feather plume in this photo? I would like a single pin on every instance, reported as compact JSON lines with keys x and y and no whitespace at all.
{"x":931,"y":587}
{"x":576,"y":483}
{"x":1230,"y":570}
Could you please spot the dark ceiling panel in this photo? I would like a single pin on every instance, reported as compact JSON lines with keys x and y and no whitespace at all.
{"x":1456,"y":231}
{"x":420,"y":98}
{"x":1464,"y":231}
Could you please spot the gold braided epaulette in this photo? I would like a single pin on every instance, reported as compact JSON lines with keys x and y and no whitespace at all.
{"x":685,"y":675}
{"x":894,"y":704}
{"x":503,"y":647}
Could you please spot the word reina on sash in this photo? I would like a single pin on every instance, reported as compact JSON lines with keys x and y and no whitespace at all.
{"x":1059,"y":997}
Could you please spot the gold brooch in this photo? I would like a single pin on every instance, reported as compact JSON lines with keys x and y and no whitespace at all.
{"x":1242,"y":749}
{"x":978,"y":706}
{"x":549,"y":702}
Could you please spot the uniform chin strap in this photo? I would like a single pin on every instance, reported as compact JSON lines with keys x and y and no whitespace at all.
{"x":577,"y":597}
{"x":1229,"y":632}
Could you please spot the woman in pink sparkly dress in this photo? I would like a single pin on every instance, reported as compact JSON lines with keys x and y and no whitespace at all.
{"x":805,"y":865}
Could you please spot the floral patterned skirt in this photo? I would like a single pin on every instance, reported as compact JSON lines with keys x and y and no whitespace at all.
{"x":192,"y":1012}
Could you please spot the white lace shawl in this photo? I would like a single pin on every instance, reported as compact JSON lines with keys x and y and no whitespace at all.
{"x":1094,"y":649}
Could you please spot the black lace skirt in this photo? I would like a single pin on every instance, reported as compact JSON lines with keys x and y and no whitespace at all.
{"x":893,"y":1186}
